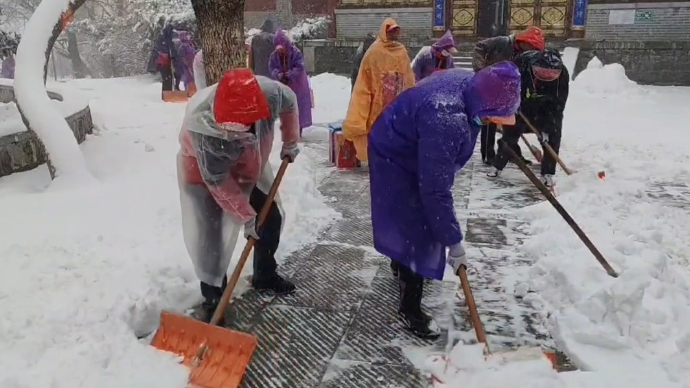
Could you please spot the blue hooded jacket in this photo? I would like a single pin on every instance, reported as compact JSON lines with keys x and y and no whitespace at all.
{"x":416,"y":146}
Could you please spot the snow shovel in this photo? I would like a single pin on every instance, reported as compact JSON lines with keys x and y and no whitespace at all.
{"x":520,"y":354}
{"x":559,"y":208}
{"x":217,"y":357}
{"x":536,"y":152}
{"x":546,"y":145}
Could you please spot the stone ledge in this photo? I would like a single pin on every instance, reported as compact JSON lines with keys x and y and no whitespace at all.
{"x":20,"y":152}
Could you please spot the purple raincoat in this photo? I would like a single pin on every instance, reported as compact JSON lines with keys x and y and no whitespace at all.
{"x":289,"y":69}
{"x":8,"y":68}
{"x":185,"y":57}
{"x":416,"y":146}
{"x":431,"y":60}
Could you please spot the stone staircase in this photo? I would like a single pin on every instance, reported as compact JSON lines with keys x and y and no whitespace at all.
{"x":463,"y":60}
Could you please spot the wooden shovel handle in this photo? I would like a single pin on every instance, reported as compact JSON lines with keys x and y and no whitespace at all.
{"x":530,"y":146}
{"x":561,"y":210}
{"x":232,"y":282}
{"x":472,"y":307}
{"x":547,"y":147}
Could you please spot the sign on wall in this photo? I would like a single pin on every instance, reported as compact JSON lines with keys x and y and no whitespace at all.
{"x":643,"y":16}
{"x":579,"y":15}
{"x":439,"y":15}
{"x":622,"y":16}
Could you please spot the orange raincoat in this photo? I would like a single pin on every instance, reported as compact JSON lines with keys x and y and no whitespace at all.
{"x":384,"y":73}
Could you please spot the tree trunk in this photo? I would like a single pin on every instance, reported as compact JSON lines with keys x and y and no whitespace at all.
{"x":78,"y":67}
{"x":220,"y":24}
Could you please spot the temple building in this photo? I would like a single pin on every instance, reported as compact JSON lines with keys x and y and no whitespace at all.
{"x":469,"y":19}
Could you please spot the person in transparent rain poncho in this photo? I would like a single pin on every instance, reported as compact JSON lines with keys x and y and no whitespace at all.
{"x":224,"y":177}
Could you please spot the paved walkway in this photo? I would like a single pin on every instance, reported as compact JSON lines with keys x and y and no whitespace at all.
{"x":341,"y":330}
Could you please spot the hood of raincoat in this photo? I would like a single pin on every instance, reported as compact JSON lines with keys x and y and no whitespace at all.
{"x":533,"y":36}
{"x":444,"y":43}
{"x":494,"y":91}
{"x":237,"y":99}
{"x":382,"y":33}
{"x":269,"y":26}
{"x":281,"y":39}
{"x":184,"y":36}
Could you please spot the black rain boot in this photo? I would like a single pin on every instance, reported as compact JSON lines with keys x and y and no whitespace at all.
{"x":410,"y":310}
{"x":394,"y":268}
{"x":274,"y":283}
{"x":212,"y":297}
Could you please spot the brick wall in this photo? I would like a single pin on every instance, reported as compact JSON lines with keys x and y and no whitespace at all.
{"x":660,"y":21}
{"x":356,"y":23}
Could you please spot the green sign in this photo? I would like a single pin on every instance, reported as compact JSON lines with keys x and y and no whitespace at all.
{"x":643,"y":16}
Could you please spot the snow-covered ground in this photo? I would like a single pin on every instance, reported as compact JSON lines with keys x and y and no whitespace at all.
{"x":631,"y":331}
{"x":85,"y":270}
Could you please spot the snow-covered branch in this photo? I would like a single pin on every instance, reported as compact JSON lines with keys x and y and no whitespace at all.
{"x":65,"y":160}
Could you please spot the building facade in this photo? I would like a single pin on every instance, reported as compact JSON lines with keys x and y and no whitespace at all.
{"x":469,"y":19}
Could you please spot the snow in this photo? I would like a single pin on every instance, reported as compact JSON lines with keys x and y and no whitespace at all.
{"x":87,"y":270}
{"x":44,"y":119}
{"x":607,"y":81}
{"x":570,"y":59}
{"x":631,"y":331}
{"x":304,"y":29}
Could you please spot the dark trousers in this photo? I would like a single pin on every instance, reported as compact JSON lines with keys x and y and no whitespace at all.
{"x":548,"y":164}
{"x":411,"y":289}
{"x":264,"y":250}
{"x":487,"y":141}
{"x":166,"y":78}
{"x":510,"y":138}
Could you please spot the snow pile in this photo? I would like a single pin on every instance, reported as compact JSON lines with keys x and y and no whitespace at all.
{"x":469,"y":368}
{"x":637,"y":322}
{"x":86,"y":269}
{"x":331,"y":97}
{"x":606,"y":80}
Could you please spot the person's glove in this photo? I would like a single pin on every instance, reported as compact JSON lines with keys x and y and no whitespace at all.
{"x":290,"y":151}
{"x":250,"y":229}
{"x":456,"y":257}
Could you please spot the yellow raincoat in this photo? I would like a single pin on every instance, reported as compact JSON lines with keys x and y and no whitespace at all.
{"x":384,"y":73}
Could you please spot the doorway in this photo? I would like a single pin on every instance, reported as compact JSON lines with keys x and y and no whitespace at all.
{"x":492,"y":18}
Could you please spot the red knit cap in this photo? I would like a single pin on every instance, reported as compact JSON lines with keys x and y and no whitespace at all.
{"x":239,"y":99}
{"x":533,"y":36}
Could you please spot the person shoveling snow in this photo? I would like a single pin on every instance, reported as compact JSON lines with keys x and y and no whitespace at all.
{"x":224,"y":177}
{"x":417,"y":145}
{"x":545,"y":82}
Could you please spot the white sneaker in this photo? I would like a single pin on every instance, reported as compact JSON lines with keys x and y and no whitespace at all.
{"x":548,"y":181}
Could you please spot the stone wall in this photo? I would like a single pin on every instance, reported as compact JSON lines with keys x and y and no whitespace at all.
{"x":20,"y":151}
{"x":356,"y":23}
{"x":335,"y":55}
{"x":658,"y":21}
{"x":650,"y":39}
{"x":645,"y":62}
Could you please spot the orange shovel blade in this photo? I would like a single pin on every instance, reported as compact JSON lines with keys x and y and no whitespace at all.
{"x":175,"y":96}
{"x":226,"y":356}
